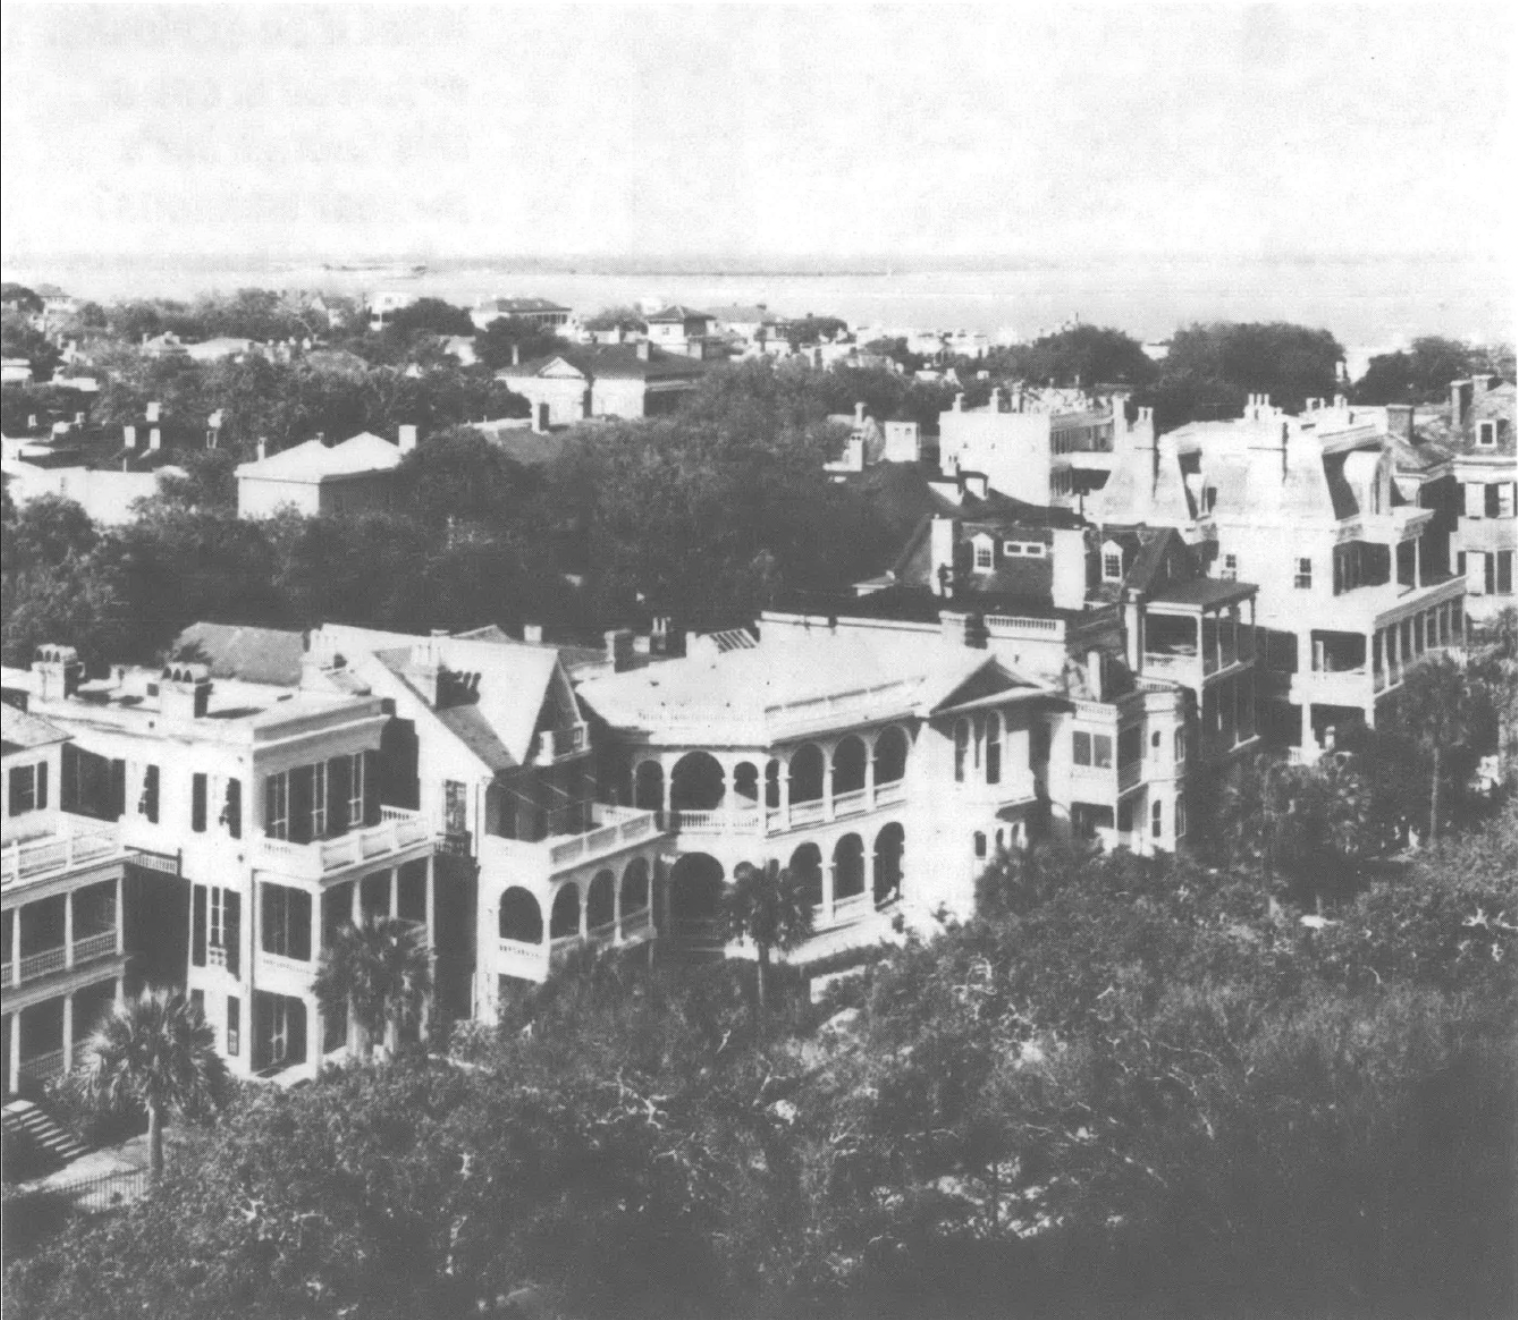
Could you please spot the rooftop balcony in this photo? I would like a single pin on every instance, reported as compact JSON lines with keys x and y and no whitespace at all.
{"x":399,"y":834}
{"x":72,"y":843}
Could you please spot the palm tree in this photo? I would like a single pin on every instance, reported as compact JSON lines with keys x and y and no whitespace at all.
{"x":769,"y":907}
{"x":1437,"y":708}
{"x":157,"y":1051}
{"x":380,"y":975}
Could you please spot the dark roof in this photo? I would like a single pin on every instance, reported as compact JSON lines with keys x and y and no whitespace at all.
{"x":613,"y":362}
{"x":1203,"y":592}
{"x":256,"y":655}
{"x":516,"y":306}
{"x":470,"y":726}
{"x":677,"y":312}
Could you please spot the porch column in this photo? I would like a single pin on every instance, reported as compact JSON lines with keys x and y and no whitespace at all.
{"x":68,"y":1033}
{"x":827,"y":785}
{"x":1307,"y":738}
{"x":16,"y":951}
{"x":120,"y":991}
{"x":729,"y":780}
{"x":616,"y":910}
{"x":869,"y":776}
{"x":1418,"y":562}
{"x":827,"y":890}
{"x":666,"y":766}
{"x":120,"y":917}
{"x":584,"y":892}
{"x":356,"y":902}
{"x":395,"y":891}
{"x":316,"y":1032}
{"x":13,"y":1063}
{"x":68,"y":930}
{"x":783,"y":780}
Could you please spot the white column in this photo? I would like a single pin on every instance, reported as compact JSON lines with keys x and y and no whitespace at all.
{"x":584,"y":895}
{"x":68,"y":1033}
{"x":316,"y":1032}
{"x":783,"y":779}
{"x":395,"y":891}
{"x":616,"y":909}
{"x":120,"y":918}
{"x":1418,"y":562}
{"x":13,"y":1063}
{"x":667,"y":776}
{"x":827,"y":784}
{"x":120,"y":990}
{"x":431,"y":943}
{"x":356,"y":903}
{"x":68,"y":930}
{"x":16,"y":954}
{"x":1307,"y":740}
{"x":827,"y":889}
{"x":869,"y":776}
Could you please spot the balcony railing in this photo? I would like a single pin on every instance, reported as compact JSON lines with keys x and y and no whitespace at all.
{"x":617,"y":827}
{"x":846,"y":911}
{"x":50,"y":854}
{"x":46,"y":962}
{"x":42,"y":1067}
{"x":397,"y":830}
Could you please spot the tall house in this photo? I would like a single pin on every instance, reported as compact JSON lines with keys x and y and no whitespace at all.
{"x":61,"y":892}
{"x":1043,"y":447}
{"x":487,"y":744}
{"x":879,"y":765}
{"x":1485,"y":461}
{"x":265,"y":804}
{"x":1306,"y":508}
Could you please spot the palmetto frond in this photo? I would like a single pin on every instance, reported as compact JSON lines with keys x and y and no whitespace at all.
{"x":769,"y":906}
{"x":380,"y":971}
{"x":154,"y":1050}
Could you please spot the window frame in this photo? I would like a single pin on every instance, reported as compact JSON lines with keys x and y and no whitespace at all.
{"x":1302,"y":576}
{"x":277,"y":805}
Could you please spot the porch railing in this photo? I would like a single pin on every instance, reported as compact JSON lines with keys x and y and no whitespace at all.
{"x":42,"y":1067}
{"x":27,"y":859}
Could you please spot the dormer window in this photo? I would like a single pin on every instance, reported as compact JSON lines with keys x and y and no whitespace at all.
{"x":985,"y":560}
{"x":1231,"y":568}
{"x":1112,"y":566}
{"x":1486,"y":434}
{"x":1023,"y":549}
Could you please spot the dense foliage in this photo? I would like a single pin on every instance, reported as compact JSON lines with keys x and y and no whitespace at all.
{"x":1128,"y":1088}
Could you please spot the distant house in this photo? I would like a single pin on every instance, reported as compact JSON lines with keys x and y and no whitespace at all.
{"x":539,"y":311}
{"x":460,"y":348}
{"x":316,"y":478}
{"x":108,"y":496}
{"x":222,"y":349}
{"x":755,"y":322}
{"x":15,"y":371}
{"x":384,"y":305}
{"x":676,"y":327}
{"x":608,"y":380}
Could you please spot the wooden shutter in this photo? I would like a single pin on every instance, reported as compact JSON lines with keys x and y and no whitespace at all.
{"x":339,"y":787}
{"x":232,"y":930}
{"x":117,"y":806}
{"x":301,"y":799}
{"x":41,"y":785}
{"x":198,"y":927}
{"x":371,"y":789}
{"x":299,"y":904}
{"x":198,"y":804}
{"x":232,"y":813}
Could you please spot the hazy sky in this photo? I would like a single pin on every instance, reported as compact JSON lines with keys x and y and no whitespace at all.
{"x":757,"y":129}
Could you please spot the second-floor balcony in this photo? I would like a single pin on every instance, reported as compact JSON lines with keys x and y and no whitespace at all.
{"x":58,"y":958}
{"x":72,"y":842}
{"x":398,"y":832}
{"x":612,"y":829}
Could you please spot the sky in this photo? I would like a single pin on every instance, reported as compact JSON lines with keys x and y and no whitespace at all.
{"x":760,"y":130}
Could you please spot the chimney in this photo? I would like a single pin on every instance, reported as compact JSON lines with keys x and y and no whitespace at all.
{"x":58,"y":672}
{"x":1461,"y":396}
{"x":516,"y":355}
{"x":155,"y":439}
{"x":644,"y":350}
{"x":619,"y":649}
{"x":995,"y":402}
{"x":1068,"y":577}
{"x":975,"y":484}
{"x":532,"y":633}
{"x":129,"y":436}
{"x":31,"y":422}
{"x":1094,"y":672}
{"x":854,"y":454}
{"x":408,"y":439}
{"x":1399,"y":420}
{"x":959,"y":401}
{"x":184,"y":691}
{"x":154,"y":411}
{"x":859,"y":414}
{"x":962,"y":629}
{"x":425,"y":667}
{"x":262,"y":448}
{"x":78,"y":419}
{"x":942,"y":535}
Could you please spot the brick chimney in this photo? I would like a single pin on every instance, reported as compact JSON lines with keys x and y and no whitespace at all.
{"x":859,"y":413}
{"x":407,"y":438}
{"x":154,"y":411}
{"x":424,"y":668}
{"x":262,"y":448}
{"x":619,"y":648}
{"x":58,"y":670}
{"x":184,"y":691}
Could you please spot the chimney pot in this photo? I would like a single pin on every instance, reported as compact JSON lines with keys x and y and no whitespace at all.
{"x":408,"y":439}
{"x":155,"y":439}
{"x":645,"y":351}
{"x":532,"y":633}
{"x":262,"y":448}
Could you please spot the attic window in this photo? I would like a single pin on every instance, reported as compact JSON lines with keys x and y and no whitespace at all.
{"x":985,"y":557}
{"x":1486,"y":434}
{"x":1112,"y":566}
{"x":1023,"y":549}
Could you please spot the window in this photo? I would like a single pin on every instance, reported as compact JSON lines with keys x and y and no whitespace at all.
{"x":1180,"y":744}
{"x":356,"y":786}
{"x":1180,"y":818}
{"x":1125,"y":817}
{"x":1504,"y":575}
{"x":1154,"y":740}
{"x":286,"y":922}
{"x":198,"y":1004}
{"x":224,"y":928}
{"x":1094,"y":749}
{"x":1304,"y":575}
{"x":198,"y":788}
{"x":961,"y":749}
{"x":277,"y":805}
{"x":1157,"y":820}
{"x":1486,"y":434}
{"x":993,"y":748}
{"x":234,"y":1025}
{"x":147,"y":804}
{"x":985,"y":559}
{"x":319,"y":800}
{"x":1499,"y":500}
{"x":1231,"y":567}
{"x":1023,"y":549}
{"x":1130,"y":745}
{"x":28,"y":788}
{"x":1112,"y":566}
{"x":980,"y":844}
{"x":455,"y":808}
{"x":231,"y":809}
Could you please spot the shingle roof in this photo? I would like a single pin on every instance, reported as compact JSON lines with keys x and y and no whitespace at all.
{"x":258,"y":655}
{"x":516,"y":306}
{"x":613,"y":362}
{"x":20,"y":731}
{"x":676,"y":312}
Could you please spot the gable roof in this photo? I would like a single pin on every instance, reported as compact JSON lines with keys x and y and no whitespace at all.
{"x":315,"y":461}
{"x":676,"y":312}
{"x":518,"y":306}
{"x":611,"y":362}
